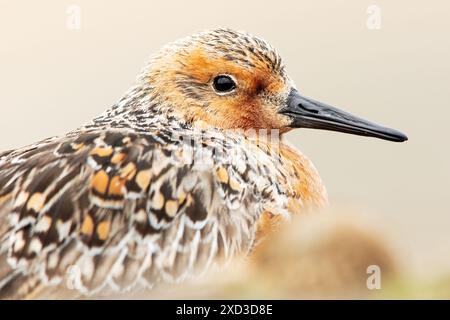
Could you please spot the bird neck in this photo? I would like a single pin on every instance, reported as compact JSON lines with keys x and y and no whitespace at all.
{"x":303,"y":187}
{"x":139,"y":108}
{"x":306,"y":187}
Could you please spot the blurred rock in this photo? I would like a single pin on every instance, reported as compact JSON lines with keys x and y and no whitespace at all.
{"x":323,"y":256}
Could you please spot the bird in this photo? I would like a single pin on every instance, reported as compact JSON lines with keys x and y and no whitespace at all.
{"x":187,"y":170}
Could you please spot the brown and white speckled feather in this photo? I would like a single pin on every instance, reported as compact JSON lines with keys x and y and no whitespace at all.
{"x":127,"y":201}
{"x":129,"y":207}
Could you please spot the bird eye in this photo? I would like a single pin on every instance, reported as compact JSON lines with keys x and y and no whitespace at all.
{"x":224,"y":84}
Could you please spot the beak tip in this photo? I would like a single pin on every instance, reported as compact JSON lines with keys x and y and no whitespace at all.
{"x":401,"y":137}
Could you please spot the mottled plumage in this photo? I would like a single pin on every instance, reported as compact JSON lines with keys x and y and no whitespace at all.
{"x":164,"y":184}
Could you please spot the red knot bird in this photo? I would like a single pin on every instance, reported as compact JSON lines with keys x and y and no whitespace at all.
{"x":188,"y":168}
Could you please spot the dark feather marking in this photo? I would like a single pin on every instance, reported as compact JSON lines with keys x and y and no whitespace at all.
{"x":196,"y":211}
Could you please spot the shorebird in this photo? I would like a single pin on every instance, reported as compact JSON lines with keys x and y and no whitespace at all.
{"x":170,"y":179}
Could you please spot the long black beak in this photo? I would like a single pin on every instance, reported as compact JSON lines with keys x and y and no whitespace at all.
{"x":308,"y":113}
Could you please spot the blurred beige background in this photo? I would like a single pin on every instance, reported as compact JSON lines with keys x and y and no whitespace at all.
{"x":53,"y":79}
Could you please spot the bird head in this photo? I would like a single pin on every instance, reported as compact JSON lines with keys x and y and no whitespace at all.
{"x":233,"y":80}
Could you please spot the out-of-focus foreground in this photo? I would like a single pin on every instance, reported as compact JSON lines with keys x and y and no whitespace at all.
{"x":318,"y":255}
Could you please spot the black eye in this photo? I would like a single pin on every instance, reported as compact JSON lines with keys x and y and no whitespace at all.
{"x":223,"y":84}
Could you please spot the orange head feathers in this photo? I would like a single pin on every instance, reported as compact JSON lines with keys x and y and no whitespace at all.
{"x":222,"y":79}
